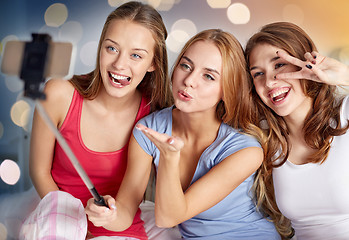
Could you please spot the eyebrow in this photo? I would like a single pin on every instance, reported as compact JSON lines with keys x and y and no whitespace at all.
{"x":207,"y":69}
{"x":136,"y":49}
{"x":271,"y":60}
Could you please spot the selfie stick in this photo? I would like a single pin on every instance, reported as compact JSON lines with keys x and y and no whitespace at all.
{"x":32,"y":72}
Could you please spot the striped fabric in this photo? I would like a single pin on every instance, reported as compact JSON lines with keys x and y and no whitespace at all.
{"x":60,"y":216}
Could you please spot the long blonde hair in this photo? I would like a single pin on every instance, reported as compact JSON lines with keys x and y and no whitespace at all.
{"x":155,"y":85}
{"x":317,"y":131}
{"x":234,"y":75}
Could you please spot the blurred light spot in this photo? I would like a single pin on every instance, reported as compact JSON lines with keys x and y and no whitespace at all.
{"x":293,"y":13}
{"x":19,"y":111}
{"x":3,"y":232}
{"x":115,"y":3}
{"x":219,"y":3}
{"x":52,"y":31}
{"x":176,"y":40}
{"x":0,"y":48}
{"x":263,"y":124}
{"x":88,"y":54}
{"x":238,"y":13}
{"x":13,"y":83}
{"x":56,"y":15}
{"x":9,"y":172}
{"x":20,"y":96}
{"x":1,"y":130}
{"x":181,"y":31}
{"x":185,"y":25}
{"x":165,"y":5}
{"x":71,"y":31}
{"x":25,"y":119}
{"x":154,"y":3}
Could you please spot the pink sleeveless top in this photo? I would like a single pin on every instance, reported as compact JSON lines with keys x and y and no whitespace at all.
{"x":105,"y":169}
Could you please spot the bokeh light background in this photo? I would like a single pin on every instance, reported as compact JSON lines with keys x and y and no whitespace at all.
{"x":80,"y":22}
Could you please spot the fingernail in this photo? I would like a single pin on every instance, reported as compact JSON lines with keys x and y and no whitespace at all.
{"x":313,"y":62}
{"x":277,"y":52}
{"x":107,"y":210}
{"x":309,"y":66}
{"x":171,"y":141}
{"x":315,"y":56}
{"x":113,"y":206}
{"x":274,"y":77}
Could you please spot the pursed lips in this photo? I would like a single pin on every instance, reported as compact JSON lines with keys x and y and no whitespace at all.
{"x":185,"y":94}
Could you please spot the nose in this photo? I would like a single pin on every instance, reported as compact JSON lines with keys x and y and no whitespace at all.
{"x":270,"y":80}
{"x":120,"y":61}
{"x":190,"y":79}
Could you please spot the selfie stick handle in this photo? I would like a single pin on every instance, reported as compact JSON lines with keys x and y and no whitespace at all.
{"x":99,"y":200}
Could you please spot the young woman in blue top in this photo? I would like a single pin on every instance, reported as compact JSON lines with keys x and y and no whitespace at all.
{"x":205,"y":168}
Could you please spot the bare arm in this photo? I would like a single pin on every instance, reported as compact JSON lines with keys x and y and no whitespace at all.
{"x":129,"y":195}
{"x":42,"y":139}
{"x":172,"y":204}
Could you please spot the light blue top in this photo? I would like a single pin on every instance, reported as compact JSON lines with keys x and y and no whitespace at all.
{"x":235,"y":217}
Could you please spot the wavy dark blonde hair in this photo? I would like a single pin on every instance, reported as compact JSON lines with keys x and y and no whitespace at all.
{"x":233,"y":75}
{"x":318,"y":133}
{"x":155,"y":85}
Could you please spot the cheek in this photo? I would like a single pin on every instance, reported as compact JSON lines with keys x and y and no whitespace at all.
{"x":103,"y":59}
{"x":214,"y":94}
{"x":177,"y":76}
{"x":258,"y":86}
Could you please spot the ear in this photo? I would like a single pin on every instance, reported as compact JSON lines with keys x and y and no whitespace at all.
{"x":151,"y":68}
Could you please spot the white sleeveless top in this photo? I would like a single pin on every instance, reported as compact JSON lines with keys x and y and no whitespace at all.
{"x":315,"y":197}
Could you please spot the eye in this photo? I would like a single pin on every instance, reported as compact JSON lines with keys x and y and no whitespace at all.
{"x":209,"y":77}
{"x":136,"y":56}
{"x":184,"y":66}
{"x":111,"y":49}
{"x":257,"y":74}
{"x":278,"y":65}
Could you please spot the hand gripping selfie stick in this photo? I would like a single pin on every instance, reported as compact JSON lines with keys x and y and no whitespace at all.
{"x":32,"y":73}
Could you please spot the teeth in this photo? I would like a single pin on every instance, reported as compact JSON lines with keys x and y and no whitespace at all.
{"x":118,"y":77}
{"x":277,"y":93}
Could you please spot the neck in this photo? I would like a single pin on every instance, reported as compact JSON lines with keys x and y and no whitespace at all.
{"x":295,"y":121}
{"x":195,"y":125}
{"x":120,"y":104}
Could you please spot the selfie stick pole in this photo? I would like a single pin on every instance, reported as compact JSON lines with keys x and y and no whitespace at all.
{"x":33,"y":66}
{"x":98,"y":199}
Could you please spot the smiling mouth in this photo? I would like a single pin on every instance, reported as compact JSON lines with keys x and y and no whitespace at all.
{"x":119,"y":80}
{"x":279,"y":95}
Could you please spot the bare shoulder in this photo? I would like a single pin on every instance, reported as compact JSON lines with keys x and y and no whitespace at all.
{"x":59,"y":94}
{"x":57,"y":87}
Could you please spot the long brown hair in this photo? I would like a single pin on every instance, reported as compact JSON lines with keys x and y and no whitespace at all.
{"x":155,"y":84}
{"x":318,"y":133}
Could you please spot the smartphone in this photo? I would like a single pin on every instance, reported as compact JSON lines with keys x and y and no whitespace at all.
{"x":52,"y":60}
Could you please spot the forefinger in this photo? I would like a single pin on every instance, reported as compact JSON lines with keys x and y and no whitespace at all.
{"x":291,"y":75}
{"x":295,"y":61}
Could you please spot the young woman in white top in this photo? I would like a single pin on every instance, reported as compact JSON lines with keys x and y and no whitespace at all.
{"x":305,"y":124}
